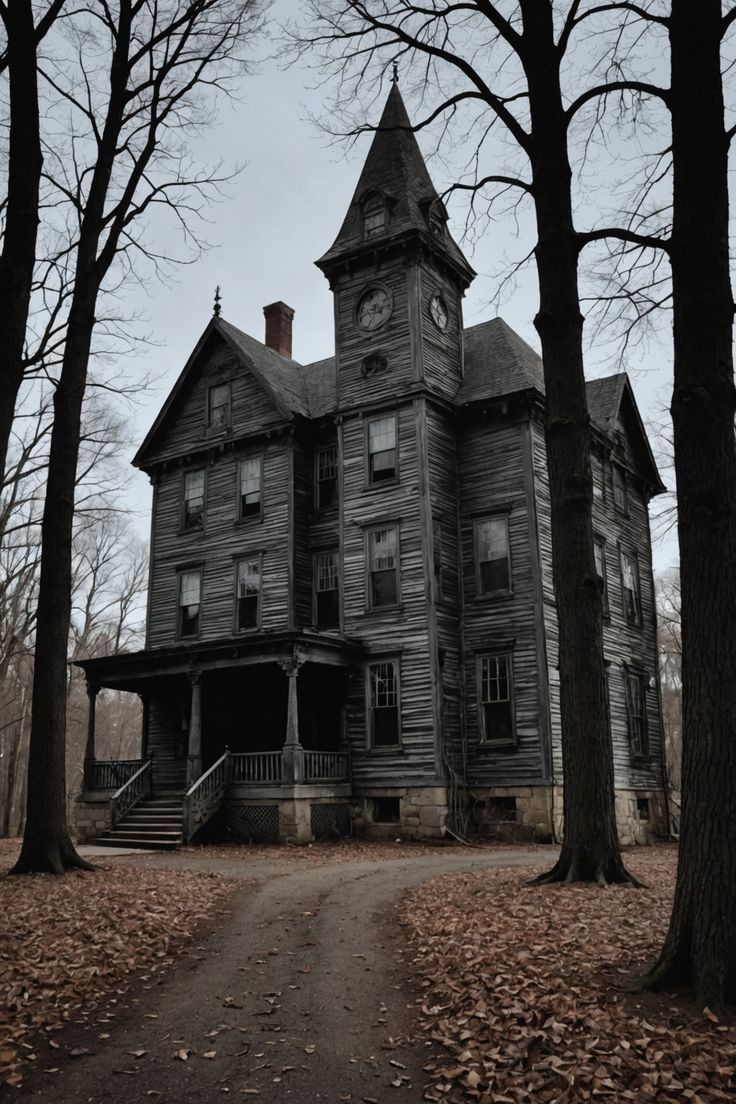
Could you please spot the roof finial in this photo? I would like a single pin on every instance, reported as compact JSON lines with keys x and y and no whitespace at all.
{"x":395,"y":77}
{"x":217,"y":307}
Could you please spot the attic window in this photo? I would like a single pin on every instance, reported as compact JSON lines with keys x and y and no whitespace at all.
{"x":375,"y":216}
{"x":436,"y":219}
{"x":218,"y":406}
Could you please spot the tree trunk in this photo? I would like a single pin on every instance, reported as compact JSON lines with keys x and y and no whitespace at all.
{"x":21,"y":213}
{"x":590,"y":850}
{"x":700,"y":948}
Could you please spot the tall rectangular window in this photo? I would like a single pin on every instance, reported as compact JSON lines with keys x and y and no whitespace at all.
{"x":620,"y":491}
{"x":248,"y":593}
{"x":383,"y":701}
{"x":599,"y":553}
{"x":218,"y":406}
{"x":383,"y":566}
{"x":193,"y":506}
{"x":382,"y":456}
{"x":636,"y":702}
{"x":190,"y":590}
{"x":492,"y":556}
{"x":326,"y":476}
{"x":250,"y":487}
{"x":495,"y":699}
{"x":327,"y":589}
{"x":630,"y":588}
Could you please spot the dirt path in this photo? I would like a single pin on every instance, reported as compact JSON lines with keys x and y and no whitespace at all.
{"x":293,"y":996}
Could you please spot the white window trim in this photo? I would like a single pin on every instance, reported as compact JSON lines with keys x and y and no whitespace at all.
{"x":374,"y":662}
{"x":482,"y":737}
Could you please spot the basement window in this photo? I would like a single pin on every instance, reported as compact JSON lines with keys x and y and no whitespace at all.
{"x":642,"y":808}
{"x":387,"y":810}
{"x":502,"y":809}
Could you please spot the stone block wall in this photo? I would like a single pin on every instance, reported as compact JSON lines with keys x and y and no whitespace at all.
{"x":422,"y":813}
{"x":91,"y":816}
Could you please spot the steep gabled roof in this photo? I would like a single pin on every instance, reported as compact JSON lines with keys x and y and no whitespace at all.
{"x":604,"y":399}
{"x":497,"y":363}
{"x":395,"y":169}
{"x":279,"y":377}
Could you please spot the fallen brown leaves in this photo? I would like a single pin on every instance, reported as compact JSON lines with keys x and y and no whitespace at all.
{"x":530,"y":992}
{"x":354,"y":849}
{"x":68,"y":943}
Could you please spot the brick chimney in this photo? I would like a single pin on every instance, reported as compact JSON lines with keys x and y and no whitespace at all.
{"x":278,"y":327}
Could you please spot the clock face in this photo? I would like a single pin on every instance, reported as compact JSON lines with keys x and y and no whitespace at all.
{"x":438,"y":310}
{"x":374,"y":308}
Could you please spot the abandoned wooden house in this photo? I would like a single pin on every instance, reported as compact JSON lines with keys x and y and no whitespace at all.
{"x":351,"y":620}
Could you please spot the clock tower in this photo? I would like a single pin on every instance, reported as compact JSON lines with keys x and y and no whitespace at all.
{"x":397,"y":276}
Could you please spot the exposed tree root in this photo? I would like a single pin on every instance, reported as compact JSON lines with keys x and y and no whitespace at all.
{"x":710,"y":977}
{"x":49,"y":860}
{"x":583,"y":866}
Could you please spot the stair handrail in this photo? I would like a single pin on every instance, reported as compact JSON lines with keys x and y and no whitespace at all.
{"x":138,"y":786}
{"x":205,"y":796}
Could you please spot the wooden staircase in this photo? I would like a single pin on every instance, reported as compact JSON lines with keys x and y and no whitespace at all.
{"x":154,"y":823}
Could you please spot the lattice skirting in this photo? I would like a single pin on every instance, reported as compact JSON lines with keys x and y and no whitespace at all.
{"x":253,"y":822}
{"x":329,"y":821}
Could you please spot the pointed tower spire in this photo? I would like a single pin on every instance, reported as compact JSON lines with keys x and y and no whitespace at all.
{"x":395,"y":196}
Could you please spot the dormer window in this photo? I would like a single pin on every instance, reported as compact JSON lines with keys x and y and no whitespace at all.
{"x":218,"y":406}
{"x":375,"y":216}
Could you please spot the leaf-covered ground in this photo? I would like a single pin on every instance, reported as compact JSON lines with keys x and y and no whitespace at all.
{"x":531,"y":995}
{"x":68,"y":944}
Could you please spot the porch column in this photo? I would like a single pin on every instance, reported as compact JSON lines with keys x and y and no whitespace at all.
{"x":293,"y":752}
{"x":89,"y":753}
{"x":194,"y":754}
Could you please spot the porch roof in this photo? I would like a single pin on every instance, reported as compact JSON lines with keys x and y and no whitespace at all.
{"x":136,"y":670}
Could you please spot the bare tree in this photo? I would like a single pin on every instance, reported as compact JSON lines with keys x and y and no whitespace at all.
{"x":504,"y":64}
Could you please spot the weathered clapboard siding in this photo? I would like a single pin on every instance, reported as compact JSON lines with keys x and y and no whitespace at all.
{"x":624,"y":645}
{"x":303,"y":504}
{"x":492,"y":478}
{"x":224,"y":539}
{"x":400,"y":631}
{"x":441,"y":350}
{"x":251,"y":411}
{"x":393,"y":339}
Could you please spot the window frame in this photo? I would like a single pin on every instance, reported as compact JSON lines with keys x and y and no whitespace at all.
{"x":256,"y":557}
{"x":183,"y":527}
{"x":181,"y":572}
{"x":623,"y":506}
{"x":394,"y":477}
{"x":600,"y":542}
{"x":324,"y":447}
{"x":484,"y":739}
{"x":634,"y":619}
{"x":374,"y":662}
{"x":243,"y":517}
{"x":497,"y":592}
{"x":372,"y":204}
{"x":227,"y":422}
{"x":639,"y":745}
{"x":370,"y":604}
{"x":335,"y":553}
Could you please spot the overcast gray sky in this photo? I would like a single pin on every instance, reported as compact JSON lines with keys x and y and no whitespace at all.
{"x":283,"y":211}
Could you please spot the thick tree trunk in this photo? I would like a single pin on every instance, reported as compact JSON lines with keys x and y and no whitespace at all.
{"x":590,"y":850}
{"x":21,"y":212}
{"x":700,"y":948}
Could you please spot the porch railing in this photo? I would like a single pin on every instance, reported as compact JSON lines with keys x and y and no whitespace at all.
{"x":109,"y":774}
{"x":205,"y":796}
{"x":257,"y":767}
{"x":326,"y":766}
{"x":138,"y":786}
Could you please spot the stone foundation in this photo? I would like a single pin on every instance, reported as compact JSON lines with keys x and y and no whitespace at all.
{"x":422,"y":812}
{"x":641,"y":815}
{"x":91,"y":815}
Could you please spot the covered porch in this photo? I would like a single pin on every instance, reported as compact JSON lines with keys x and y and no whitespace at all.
{"x":257,"y":720}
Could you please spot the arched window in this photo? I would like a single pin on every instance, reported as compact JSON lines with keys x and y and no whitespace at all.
{"x":374,"y":215}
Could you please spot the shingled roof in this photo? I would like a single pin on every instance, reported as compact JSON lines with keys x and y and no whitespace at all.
{"x":498,"y":362}
{"x":396,"y":170}
{"x":280,"y":375}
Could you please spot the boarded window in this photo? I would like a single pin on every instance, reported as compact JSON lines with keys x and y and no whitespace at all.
{"x":383,"y":699}
{"x":492,"y":555}
{"x":630,"y":588}
{"x":327,"y":589}
{"x":599,"y":552}
{"x":250,"y":487}
{"x":620,"y":495}
{"x":382,"y":460}
{"x":374,"y":216}
{"x":248,"y":593}
{"x":190,"y":589}
{"x":218,"y":406}
{"x":193,"y":511}
{"x":636,"y":701}
{"x":383,"y":567}
{"x":326,"y":476}
{"x":495,"y":705}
